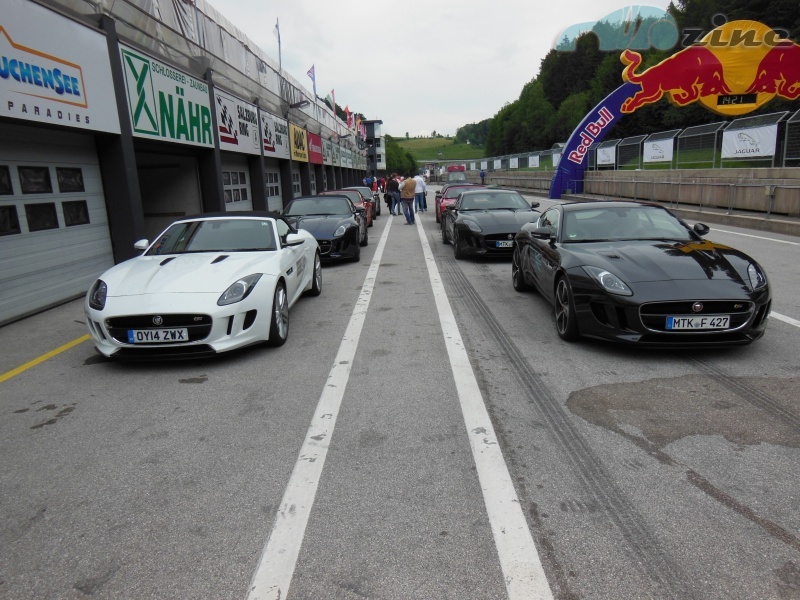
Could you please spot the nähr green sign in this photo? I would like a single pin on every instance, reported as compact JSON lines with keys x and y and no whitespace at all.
{"x":164,"y":102}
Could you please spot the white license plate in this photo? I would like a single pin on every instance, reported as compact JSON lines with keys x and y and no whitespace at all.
{"x":508,"y":244}
{"x":157,"y":336}
{"x":705,"y":322}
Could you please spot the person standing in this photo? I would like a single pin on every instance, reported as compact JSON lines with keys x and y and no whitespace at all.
{"x":483,"y":176}
{"x":420,"y":189}
{"x":407,"y":192}
{"x":393,"y":187}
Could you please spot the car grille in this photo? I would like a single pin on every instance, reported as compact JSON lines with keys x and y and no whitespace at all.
{"x":198,"y":326}
{"x":325,"y":246}
{"x":654,"y":314}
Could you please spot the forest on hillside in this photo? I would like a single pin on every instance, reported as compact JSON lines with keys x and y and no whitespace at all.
{"x":571,"y":82}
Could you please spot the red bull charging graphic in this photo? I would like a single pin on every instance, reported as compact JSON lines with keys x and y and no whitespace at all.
{"x":732,"y":70}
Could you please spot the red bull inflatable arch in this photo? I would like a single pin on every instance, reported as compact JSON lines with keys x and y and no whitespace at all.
{"x":733,"y":70}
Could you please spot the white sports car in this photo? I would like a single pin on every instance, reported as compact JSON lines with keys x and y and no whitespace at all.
{"x":207,"y":284}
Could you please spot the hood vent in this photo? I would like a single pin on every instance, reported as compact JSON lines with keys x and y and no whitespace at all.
{"x":165,"y":261}
{"x":220,"y":258}
{"x":610,"y":255}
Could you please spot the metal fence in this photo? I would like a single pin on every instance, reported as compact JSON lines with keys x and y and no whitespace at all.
{"x":698,"y":147}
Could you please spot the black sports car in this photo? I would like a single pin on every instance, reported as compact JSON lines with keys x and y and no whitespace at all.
{"x":634,"y":272}
{"x":339,"y":226}
{"x":484,"y":221}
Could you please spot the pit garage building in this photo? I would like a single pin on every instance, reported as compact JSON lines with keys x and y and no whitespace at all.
{"x":118,"y":117}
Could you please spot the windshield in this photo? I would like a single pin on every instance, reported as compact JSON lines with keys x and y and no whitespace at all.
{"x":454,"y":192}
{"x":457,"y":176}
{"x":614,"y":224}
{"x":354,"y":195}
{"x":493,"y":201}
{"x":321,"y":205}
{"x":217,"y":235}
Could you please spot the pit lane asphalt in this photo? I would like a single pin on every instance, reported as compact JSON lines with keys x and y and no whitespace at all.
{"x":642,"y":475}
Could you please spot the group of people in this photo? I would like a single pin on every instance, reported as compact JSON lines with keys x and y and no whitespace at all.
{"x":409,"y":193}
{"x":376,"y":184}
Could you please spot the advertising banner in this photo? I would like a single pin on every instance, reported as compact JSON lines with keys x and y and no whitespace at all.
{"x":513,"y":163}
{"x":756,"y":142}
{"x":237,"y":124}
{"x":314,"y":148}
{"x":533,"y":161}
{"x":556,"y":159}
{"x":607,"y":156}
{"x":484,"y":165}
{"x":658,"y":151}
{"x":336,"y":155}
{"x":274,"y":135}
{"x":347,"y":158}
{"x":165,"y":103}
{"x":299,"y":143}
{"x":327,"y":152}
{"x":53,"y":70}
{"x":497,"y":163}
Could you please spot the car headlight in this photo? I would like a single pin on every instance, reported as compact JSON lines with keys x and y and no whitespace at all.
{"x":98,"y":294}
{"x":757,"y":278}
{"x":608,"y":281}
{"x":340,"y":231}
{"x":239,"y":290}
{"x":473,"y":226}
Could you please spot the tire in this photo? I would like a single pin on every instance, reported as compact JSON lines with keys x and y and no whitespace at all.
{"x":365,"y":241}
{"x":357,"y":256}
{"x":316,"y":277}
{"x":457,"y":253}
{"x":517,"y":278}
{"x":566,"y":319}
{"x":279,"y":317}
{"x":444,"y":235}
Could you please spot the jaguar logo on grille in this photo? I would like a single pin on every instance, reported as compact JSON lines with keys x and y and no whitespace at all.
{"x":511,"y":236}
{"x":157,"y":320}
{"x":697,"y":307}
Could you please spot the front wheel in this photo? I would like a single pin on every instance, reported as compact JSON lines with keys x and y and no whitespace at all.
{"x":566,"y":319}
{"x":517,"y":278}
{"x":457,"y":253}
{"x":444,"y":235}
{"x":365,"y":241}
{"x":279,"y":322}
{"x":316,"y":277}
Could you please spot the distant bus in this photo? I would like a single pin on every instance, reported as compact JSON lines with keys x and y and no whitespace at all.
{"x":456,"y":173}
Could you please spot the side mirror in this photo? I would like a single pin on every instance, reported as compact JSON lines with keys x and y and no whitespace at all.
{"x":141,"y":245}
{"x":535,"y":204}
{"x":701,"y":228}
{"x":360,"y":210}
{"x":294,"y":239}
{"x":542,"y":233}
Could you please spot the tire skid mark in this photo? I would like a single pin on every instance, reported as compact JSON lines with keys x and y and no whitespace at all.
{"x":644,"y":548}
{"x":746,"y":392}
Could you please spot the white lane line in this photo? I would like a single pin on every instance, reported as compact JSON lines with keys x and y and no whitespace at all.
{"x":275,"y":569}
{"x":519,"y":560}
{"x":758,"y":237}
{"x":784,"y":318}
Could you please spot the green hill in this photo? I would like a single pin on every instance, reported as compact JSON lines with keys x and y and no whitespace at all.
{"x":429,"y":148}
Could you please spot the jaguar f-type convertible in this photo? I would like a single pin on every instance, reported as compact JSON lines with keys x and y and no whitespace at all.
{"x":483,"y":221}
{"x":207,"y":284}
{"x":339,"y":226}
{"x":634,"y":272}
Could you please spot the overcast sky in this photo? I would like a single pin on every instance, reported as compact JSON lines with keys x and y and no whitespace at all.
{"x":435,"y":66}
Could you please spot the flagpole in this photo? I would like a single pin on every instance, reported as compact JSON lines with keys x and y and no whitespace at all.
{"x":280,"y":61}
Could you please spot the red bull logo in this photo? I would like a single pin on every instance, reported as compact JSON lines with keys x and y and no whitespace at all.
{"x":733,"y":70}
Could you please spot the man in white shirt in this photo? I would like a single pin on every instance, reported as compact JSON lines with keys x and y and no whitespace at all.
{"x":420,"y":204}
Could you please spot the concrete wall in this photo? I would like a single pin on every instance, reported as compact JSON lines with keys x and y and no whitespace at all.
{"x":776,"y":191}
